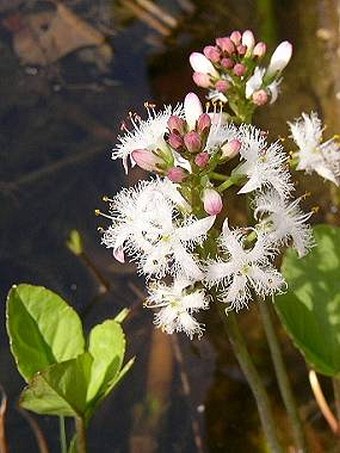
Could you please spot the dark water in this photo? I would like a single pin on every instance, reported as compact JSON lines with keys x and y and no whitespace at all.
{"x":58,"y":124}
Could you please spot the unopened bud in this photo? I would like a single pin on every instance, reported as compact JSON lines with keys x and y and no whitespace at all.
{"x":212,"y":202}
{"x":241,"y":50}
{"x":146,"y":159}
{"x":260,"y":50}
{"x":236,"y":37}
{"x":193,"y":142}
{"x":176,"y":174}
{"x":222,"y":86}
{"x":226,"y":45}
{"x":248,"y":40}
{"x":200,"y":63}
{"x":175,"y":141}
{"x":203,"y":124}
{"x":231,"y":149}
{"x":202,"y":159}
{"x":212,"y":53}
{"x":227,"y":63}
{"x":239,"y":69}
{"x":176,"y":124}
{"x":201,"y":79}
{"x":280,"y":58}
{"x":260,"y":97}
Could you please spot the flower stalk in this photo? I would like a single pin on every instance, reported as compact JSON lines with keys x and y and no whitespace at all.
{"x":255,"y":382}
{"x":282,"y":378}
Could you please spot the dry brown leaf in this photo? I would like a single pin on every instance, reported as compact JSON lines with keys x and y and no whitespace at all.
{"x":50,"y":35}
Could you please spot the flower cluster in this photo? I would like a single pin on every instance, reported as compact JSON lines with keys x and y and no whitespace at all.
{"x":230,"y":69}
{"x":168,"y":225}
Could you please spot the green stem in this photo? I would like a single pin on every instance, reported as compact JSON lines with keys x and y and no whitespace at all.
{"x":253,"y":378}
{"x":226,"y":184}
{"x":282,"y":378}
{"x":336,"y":387}
{"x":218,"y":176}
{"x":62,"y":435}
{"x":81,"y":435}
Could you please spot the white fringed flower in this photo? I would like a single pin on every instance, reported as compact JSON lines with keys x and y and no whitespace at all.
{"x":244,"y":269}
{"x":146,"y":224}
{"x":146,"y":134}
{"x":265,"y":166}
{"x":177,"y":303}
{"x":283,"y":221}
{"x":313,"y":155}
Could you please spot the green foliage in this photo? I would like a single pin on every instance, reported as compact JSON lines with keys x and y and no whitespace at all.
{"x":64,"y":377}
{"x":310,"y":310}
{"x":43,"y":329}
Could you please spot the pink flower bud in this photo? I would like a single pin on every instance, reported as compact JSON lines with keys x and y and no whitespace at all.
{"x":203,"y":123}
{"x":231,"y":149}
{"x":280,"y":58}
{"x":227,"y":63}
{"x":260,"y":97}
{"x":226,"y":45}
{"x":236,"y":37}
{"x":222,"y":86}
{"x":202,"y":159}
{"x":176,"y":174}
{"x":212,"y":53}
{"x":201,"y":79}
{"x":260,"y":50}
{"x":176,"y":124}
{"x":248,"y":40}
{"x":241,"y":50}
{"x":146,"y":159}
{"x":192,"y":141}
{"x":239,"y":69}
{"x":175,"y":141}
{"x":212,"y":202}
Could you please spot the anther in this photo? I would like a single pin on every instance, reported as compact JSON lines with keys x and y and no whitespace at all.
{"x":106,"y":199}
{"x":98,"y":212}
{"x":315,"y":209}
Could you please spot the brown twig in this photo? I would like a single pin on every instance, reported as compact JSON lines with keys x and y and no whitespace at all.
{"x":322,"y":403}
{"x":39,"y":436}
{"x":146,"y":17}
{"x":158,"y":12}
{"x":3,"y":408}
{"x":47,"y":170}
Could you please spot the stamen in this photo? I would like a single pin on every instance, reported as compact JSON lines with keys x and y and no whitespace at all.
{"x":98,"y":213}
{"x":106,"y":199}
{"x":315,"y":209}
{"x":150,"y":108}
{"x":123,"y":127}
{"x":100,"y":229}
{"x":306,"y":195}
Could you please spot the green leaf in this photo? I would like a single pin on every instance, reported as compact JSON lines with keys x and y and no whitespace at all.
{"x":310,"y":311}
{"x":43,"y":329}
{"x":107,"y":347}
{"x":60,"y":389}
